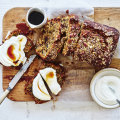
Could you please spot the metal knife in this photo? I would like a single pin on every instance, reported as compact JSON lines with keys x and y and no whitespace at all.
{"x":16,"y":78}
{"x":113,"y":92}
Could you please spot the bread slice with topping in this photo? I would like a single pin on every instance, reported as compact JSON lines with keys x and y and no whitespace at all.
{"x":39,"y":64}
{"x":97,"y":44}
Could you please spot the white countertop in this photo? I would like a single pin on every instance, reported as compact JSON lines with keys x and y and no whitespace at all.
{"x":10,"y":110}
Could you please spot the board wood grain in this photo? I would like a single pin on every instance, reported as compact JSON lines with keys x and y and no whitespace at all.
{"x":76,"y":86}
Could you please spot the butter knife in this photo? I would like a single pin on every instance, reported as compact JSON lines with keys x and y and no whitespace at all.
{"x":16,"y":78}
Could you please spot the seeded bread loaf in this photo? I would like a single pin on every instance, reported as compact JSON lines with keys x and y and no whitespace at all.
{"x":49,"y":44}
{"x":70,"y":30}
{"x":96,"y":44}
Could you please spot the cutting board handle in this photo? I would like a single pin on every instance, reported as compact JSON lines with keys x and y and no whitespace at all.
{"x":4,"y":95}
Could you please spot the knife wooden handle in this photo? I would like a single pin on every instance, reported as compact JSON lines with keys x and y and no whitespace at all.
{"x":4,"y":95}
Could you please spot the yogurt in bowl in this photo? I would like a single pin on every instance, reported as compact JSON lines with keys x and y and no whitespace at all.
{"x":105,"y":87}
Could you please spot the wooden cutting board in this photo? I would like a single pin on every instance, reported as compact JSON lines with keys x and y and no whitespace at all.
{"x":76,"y":86}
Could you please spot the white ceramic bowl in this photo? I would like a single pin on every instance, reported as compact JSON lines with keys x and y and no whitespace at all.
{"x":38,"y":10}
{"x":96,"y":77}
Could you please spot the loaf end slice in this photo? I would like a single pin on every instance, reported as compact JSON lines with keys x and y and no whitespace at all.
{"x":97,"y":44}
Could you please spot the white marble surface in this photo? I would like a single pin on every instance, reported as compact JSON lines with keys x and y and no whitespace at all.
{"x":10,"y":110}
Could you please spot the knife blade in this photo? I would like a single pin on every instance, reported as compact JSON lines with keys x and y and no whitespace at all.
{"x":17,"y":77}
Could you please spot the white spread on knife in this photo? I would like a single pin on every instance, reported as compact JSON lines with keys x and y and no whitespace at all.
{"x":49,"y":75}
{"x":39,"y":90}
{"x":11,"y":51}
{"x":103,"y":92}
